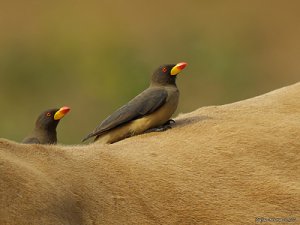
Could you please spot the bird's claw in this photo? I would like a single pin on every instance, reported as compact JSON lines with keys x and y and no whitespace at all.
{"x":169,"y":122}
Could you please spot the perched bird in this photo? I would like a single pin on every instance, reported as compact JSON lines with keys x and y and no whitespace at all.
{"x":148,"y":111}
{"x":45,"y":127}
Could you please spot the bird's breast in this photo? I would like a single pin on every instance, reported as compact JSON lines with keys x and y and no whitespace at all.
{"x":158,"y":117}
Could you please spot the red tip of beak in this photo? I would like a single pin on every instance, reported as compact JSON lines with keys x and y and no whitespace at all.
{"x":181,"y":65}
{"x":65,"y":109}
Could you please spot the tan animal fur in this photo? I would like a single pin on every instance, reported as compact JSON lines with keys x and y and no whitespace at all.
{"x":219,"y":165}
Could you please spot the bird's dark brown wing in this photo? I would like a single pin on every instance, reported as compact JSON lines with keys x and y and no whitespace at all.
{"x":145,"y":103}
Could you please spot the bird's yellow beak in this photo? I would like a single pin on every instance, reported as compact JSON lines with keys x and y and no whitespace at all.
{"x":179,"y":66}
{"x":61,"y":112}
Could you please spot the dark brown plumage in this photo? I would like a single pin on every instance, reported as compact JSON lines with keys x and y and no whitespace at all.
{"x":151,"y":108}
{"x":45,"y":127}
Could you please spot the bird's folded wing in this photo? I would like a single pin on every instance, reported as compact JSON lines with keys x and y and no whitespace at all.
{"x":145,"y":103}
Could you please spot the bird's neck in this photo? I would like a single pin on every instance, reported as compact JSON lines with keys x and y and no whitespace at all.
{"x":46,"y":135}
{"x":45,"y":130}
{"x":158,"y":84}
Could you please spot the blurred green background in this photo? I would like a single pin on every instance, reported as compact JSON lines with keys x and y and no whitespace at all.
{"x":94,"y":56}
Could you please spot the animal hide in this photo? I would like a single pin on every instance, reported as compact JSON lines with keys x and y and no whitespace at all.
{"x":230,"y":164}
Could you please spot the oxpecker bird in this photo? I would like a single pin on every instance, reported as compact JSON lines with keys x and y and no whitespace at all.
{"x":45,"y":127}
{"x":151,"y":110}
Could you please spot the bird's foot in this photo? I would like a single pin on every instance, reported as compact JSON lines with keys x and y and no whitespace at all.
{"x":164,"y":127}
{"x":169,"y":122}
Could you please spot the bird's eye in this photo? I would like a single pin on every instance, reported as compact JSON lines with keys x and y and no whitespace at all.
{"x":164,"y":69}
{"x":48,"y":114}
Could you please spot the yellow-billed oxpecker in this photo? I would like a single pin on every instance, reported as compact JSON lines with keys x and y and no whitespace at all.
{"x":45,"y":127}
{"x":151,"y":110}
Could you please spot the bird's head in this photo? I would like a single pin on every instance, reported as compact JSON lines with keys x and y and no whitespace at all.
{"x":166,"y":74}
{"x":50,"y":118}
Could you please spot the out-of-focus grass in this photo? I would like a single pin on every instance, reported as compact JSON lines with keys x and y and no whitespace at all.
{"x":94,"y":56}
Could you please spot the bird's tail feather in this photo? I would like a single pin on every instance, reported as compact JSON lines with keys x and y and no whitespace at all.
{"x":87,"y":137}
